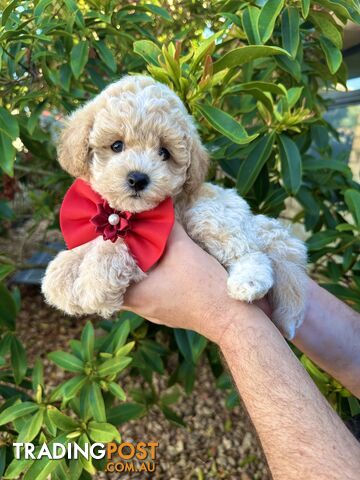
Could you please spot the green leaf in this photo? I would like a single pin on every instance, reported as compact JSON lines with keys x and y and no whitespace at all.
{"x":15,"y":293}
{"x":162,"y":12}
{"x":117,"y":391}
{"x":42,"y":468}
{"x":232,"y":400}
{"x":352,"y":199}
{"x":224,"y":382}
{"x":16,"y":467}
{"x":103,"y":432}
{"x":7,"y":11}
{"x":291,"y":170}
{"x":320,"y":239}
{"x":354,"y":405}
{"x":96,"y":402}
{"x":50,"y":426}
{"x":252,"y":165}
{"x":240,"y":56}
{"x":305,"y":7}
{"x":293,"y":67}
{"x":65,"y":77}
{"x":5,"y":270}
{"x":170,"y":397}
{"x":17,"y":411}
{"x":67,"y":361}
{"x":3,"y":462}
{"x":345,"y":293}
{"x":185,"y":375}
{"x":148,"y":51}
{"x":326,"y":24}
{"x":37,"y":376}
{"x":18,"y":360}
{"x":203,"y":49}
{"x":120,"y":334}
{"x":40,"y":7}
{"x":87,"y":341}
{"x":172,"y":416}
{"x":150,"y":360}
{"x":34,"y":117}
{"x":293,"y":95}
{"x":125,"y":349}
{"x":32,"y":427}
{"x":190,"y":343}
{"x":75,"y":469}
{"x":8,"y":124}
{"x":125,"y":412}
{"x":316,"y":374}
{"x":312,"y":164}
{"x":5,"y":341}
{"x":79,"y":57}
{"x":62,"y":471}
{"x":62,"y":421}
{"x":87,"y":464}
{"x":250,"y":19}
{"x":8,"y":308}
{"x":320,"y":135}
{"x":106,"y":55}
{"x":74,"y":9}
{"x":225,"y":124}
{"x":113,"y":366}
{"x":263,"y":86}
{"x":290,"y":21}
{"x":7,"y":154}
{"x":72,"y":386}
{"x":269,"y":13}
{"x":340,"y":7}
{"x":332,"y":54}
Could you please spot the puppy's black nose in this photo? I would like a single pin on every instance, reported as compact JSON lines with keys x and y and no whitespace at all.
{"x":138,"y":181}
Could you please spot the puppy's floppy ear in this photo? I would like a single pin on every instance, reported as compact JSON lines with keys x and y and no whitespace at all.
{"x":73,"y":146}
{"x":199,"y":163}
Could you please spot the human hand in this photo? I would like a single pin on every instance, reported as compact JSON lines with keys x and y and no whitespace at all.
{"x":187,"y":289}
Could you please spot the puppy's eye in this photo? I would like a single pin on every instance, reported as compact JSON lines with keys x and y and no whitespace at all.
{"x":164,"y":153}
{"x":117,"y":146}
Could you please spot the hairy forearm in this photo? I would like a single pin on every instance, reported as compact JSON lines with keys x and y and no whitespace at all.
{"x":330,"y":336}
{"x":301,"y":435}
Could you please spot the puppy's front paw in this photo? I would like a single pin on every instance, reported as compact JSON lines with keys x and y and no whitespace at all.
{"x":250,"y":278}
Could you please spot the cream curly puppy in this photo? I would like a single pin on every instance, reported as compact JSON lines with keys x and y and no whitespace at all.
{"x":153,"y":135}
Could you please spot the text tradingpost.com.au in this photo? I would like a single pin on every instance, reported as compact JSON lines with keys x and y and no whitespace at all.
{"x":123,"y":457}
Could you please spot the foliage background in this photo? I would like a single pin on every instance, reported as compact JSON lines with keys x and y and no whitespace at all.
{"x":251,"y":73}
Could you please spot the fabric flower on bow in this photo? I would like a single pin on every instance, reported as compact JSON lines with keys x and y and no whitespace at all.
{"x":110,"y":222}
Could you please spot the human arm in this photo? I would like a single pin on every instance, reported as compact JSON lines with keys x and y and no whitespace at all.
{"x":330,"y":336}
{"x":301,"y":435}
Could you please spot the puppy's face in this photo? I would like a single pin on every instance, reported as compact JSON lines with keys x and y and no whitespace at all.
{"x":139,"y":145}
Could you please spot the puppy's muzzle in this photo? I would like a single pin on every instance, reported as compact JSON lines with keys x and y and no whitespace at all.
{"x":138,"y":181}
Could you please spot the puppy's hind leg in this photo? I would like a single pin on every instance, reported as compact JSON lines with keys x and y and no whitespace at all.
{"x":288,"y":257}
{"x":288,"y":297}
{"x":250,"y":277}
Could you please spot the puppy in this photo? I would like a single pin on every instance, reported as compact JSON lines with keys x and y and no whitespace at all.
{"x":139,"y":125}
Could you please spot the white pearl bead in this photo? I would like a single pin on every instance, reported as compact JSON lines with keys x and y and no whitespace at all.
{"x":114,"y":219}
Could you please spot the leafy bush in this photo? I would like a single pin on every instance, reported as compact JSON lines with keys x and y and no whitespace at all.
{"x":251,"y":73}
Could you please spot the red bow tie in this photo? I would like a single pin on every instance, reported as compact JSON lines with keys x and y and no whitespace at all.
{"x":84,"y":215}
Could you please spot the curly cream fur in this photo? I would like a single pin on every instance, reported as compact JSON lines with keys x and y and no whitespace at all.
{"x":259,"y":253}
